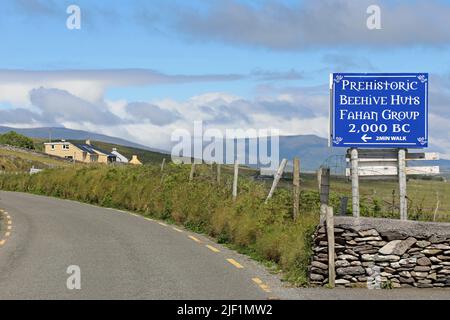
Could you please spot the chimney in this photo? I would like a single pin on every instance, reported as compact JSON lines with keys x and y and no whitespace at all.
{"x":88,"y":142}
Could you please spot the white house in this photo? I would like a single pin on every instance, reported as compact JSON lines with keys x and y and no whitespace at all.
{"x":119,"y":157}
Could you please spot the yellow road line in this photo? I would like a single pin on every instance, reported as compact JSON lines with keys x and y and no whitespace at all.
{"x":257,"y":280}
{"x":163,"y":224}
{"x":9,"y":227}
{"x":195,"y":239}
{"x":2,"y":242}
{"x":149,"y":219}
{"x":176,"y":229}
{"x":235,"y":263}
{"x":7,"y":234}
{"x":212,"y":248}
{"x":8,"y":217}
{"x":9,"y":222}
{"x":265,"y":287}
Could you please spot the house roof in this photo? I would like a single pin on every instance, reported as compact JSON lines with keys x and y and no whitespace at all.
{"x":92,"y":149}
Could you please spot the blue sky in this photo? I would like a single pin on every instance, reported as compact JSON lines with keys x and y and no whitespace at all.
{"x":236,"y":57}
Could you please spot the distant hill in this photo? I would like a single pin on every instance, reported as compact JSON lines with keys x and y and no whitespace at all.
{"x":69,"y":134}
{"x":312,"y":150}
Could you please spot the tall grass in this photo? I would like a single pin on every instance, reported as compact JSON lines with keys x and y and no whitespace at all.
{"x":266,"y":232}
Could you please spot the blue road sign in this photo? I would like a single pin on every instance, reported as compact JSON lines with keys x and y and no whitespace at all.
{"x":379,"y":110}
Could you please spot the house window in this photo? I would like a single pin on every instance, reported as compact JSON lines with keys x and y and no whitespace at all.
{"x":65,"y":147}
{"x":53,"y":147}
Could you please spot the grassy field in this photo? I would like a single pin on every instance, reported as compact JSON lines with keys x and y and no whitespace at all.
{"x":16,"y":160}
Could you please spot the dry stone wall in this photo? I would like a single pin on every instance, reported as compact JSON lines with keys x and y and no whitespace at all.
{"x":374,"y":252}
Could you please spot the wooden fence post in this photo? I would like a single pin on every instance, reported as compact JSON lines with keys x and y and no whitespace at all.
{"x":191,"y":174}
{"x":218,"y":173}
{"x":355,"y":182}
{"x":330,"y":238}
{"x":276,"y":179}
{"x":162,"y":164}
{"x":235,"y":179}
{"x":323,"y":177}
{"x":402,"y":184}
{"x":296,"y":187}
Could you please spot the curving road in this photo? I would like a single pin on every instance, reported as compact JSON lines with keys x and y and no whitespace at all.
{"x":121,"y":256}
{"x":125,"y":256}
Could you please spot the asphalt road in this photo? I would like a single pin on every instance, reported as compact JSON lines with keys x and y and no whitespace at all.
{"x":124,"y":256}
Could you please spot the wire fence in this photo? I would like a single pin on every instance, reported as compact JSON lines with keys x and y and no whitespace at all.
{"x":428,"y":197}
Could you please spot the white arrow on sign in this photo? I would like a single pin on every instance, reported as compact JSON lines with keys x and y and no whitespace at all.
{"x":365,"y":137}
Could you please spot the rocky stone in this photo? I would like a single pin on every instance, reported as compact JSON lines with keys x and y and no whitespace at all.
{"x":432,"y":276}
{"x":341,"y":263}
{"x":436,"y":267}
{"x":424,"y":261}
{"x":435,"y":260}
{"x":436,"y":239}
{"x":369,"y":233}
{"x":390,"y":270}
{"x":405,"y":274}
{"x":351,"y":252}
{"x":349,"y":234}
{"x":407,"y":261}
{"x":362,"y":247}
{"x":393,"y":235}
{"x":352,"y":243}
{"x":422,"y":268}
{"x":423,"y":285}
{"x":347,"y":257}
{"x":319,"y":265}
{"x":419,"y":274}
{"x":397,"y":247}
{"x":369,"y":251}
{"x":355,"y":263}
{"x":319,"y":271}
{"x":423,"y":243}
{"x":427,"y":281}
{"x":368,"y":257}
{"x":368,"y":239}
{"x":444,"y":271}
{"x":338,"y":230}
{"x":341,"y":282}
{"x":358,"y":270}
{"x":443,"y":258}
{"x":439,"y":246}
{"x":386,"y":258}
{"x":395,"y":265}
{"x":377,"y":243}
{"x":413,"y":250}
{"x":316,"y":277}
{"x":406,"y":280}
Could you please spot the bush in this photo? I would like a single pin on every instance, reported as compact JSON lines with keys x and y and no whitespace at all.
{"x":12,"y":138}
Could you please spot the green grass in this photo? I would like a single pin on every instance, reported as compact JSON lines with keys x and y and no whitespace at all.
{"x":266,"y":232}
{"x":22,"y":161}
